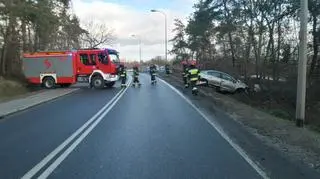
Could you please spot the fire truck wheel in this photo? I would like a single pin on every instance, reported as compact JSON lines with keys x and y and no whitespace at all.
{"x":98,"y":82}
{"x":48,"y":82}
{"x":110,"y":84}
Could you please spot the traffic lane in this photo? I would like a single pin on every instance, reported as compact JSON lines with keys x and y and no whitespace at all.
{"x":27,"y":137}
{"x":153,"y":133}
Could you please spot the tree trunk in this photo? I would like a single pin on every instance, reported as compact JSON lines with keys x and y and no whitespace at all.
{"x":7,"y":41}
{"x":3,"y":60}
{"x":273,"y":54}
{"x":224,"y":49}
{"x":278,"y":49}
{"x":250,"y":42}
{"x":36,"y":38}
{"x":30,"y":48}
{"x":24,"y":36}
{"x":270,"y":57}
{"x":229,"y":23}
{"x":315,"y":46}
{"x":248,"y":49}
{"x":232,"y":49}
{"x":259,"y":49}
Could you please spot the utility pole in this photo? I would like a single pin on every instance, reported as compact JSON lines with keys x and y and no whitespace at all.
{"x":140,"y":50}
{"x":166,"y":35}
{"x":302,"y":68}
{"x":139,"y":38}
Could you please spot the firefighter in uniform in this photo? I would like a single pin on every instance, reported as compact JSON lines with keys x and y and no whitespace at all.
{"x":193,"y":77}
{"x":136,"y":76}
{"x":185,"y":73}
{"x":152,"y":71}
{"x":123,"y":75}
{"x":167,"y":69}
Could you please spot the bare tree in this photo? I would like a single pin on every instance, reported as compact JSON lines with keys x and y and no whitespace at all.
{"x":97,"y":33}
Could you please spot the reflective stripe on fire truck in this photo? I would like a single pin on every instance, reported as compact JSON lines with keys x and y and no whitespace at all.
{"x":106,"y":77}
{"x":43,"y":75}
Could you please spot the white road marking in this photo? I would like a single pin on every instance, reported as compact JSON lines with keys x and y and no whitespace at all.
{"x":50,"y":156}
{"x":65,"y":154}
{"x":219,"y":129}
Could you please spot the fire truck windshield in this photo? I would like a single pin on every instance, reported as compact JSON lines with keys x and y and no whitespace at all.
{"x":114,"y":58}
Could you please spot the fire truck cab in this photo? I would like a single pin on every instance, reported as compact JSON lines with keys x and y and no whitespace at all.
{"x":97,"y":67}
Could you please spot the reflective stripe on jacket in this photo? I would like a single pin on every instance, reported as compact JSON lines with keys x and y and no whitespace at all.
{"x":194,"y":74}
{"x":123,"y":74}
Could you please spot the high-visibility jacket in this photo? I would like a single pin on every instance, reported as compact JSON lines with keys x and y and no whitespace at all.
{"x":194,"y":74}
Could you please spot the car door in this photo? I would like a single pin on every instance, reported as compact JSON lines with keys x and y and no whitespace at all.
{"x":94,"y":59}
{"x":85,"y":65}
{"x":103,"y":62}
{"x":227,"y":83}
{"x":214,"y":78}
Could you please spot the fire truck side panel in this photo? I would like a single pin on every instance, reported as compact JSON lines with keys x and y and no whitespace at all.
{"x":61,"y":68}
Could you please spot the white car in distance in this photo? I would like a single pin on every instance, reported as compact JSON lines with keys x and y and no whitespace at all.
{"x":222,"y":81}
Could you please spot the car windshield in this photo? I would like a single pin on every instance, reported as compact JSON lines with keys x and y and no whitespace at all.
{"x":214,"y":73}
{"x":227,"y":77}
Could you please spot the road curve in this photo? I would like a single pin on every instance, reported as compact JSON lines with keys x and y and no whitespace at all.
{"x":148,"y":132}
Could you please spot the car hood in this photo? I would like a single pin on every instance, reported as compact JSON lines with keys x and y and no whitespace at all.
{"x":240,"y":84}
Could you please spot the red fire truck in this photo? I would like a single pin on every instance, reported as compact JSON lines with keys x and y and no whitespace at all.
{"x":97,"y":67}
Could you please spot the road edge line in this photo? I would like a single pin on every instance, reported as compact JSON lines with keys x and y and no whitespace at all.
{"x":224,"y":135}
{"x":67,"y":152}
{"x":66,"y":142}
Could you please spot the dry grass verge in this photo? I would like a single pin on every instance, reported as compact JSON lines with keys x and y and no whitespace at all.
{"x":11,"y":88}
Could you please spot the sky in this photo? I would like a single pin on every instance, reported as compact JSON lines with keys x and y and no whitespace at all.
{"x":128,"y":17}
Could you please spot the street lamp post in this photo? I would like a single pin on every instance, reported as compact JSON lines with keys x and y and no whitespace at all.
{"x":302,"y":68}
{"x":139,"y":45}
{"x":165,"y":31}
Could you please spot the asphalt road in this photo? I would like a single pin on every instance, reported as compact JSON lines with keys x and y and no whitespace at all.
{"x":146,"y":132}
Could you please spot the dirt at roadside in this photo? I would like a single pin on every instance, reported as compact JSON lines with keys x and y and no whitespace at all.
{"x":299,"y":144}
{"x":11,"y":89}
